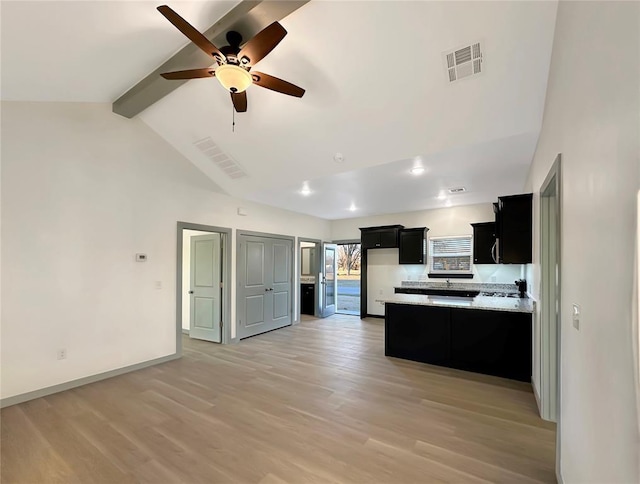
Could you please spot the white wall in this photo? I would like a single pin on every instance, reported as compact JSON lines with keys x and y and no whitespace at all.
{"x":592,"y":119}
{"x":93,"y":189}
{"x":383,"y":270}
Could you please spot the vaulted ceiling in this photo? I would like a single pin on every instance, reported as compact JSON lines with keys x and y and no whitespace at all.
{"x":377,"y":93}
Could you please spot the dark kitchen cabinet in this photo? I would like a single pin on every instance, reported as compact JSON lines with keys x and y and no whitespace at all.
{"x":484,"y":241}
{"x":384,"y":237}
{"x":479,"y":340}
{"x":514,"y":232}
{"x":412,"y":246}
{"x":418,"y":333}
{"x":491,"y":342}
{"x":308,"y":299}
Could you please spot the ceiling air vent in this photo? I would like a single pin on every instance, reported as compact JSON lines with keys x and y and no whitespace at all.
{"x":463,"y":62}
{"x":228,"y":165}
{"x":453,"y":191}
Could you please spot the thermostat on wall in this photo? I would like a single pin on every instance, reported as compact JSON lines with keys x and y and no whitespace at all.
{"x":141,"y":257}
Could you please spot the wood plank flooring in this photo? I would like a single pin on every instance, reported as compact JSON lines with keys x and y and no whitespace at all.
{"x":317,"y":402}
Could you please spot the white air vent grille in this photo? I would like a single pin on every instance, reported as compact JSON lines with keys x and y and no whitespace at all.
{"x":463,"y":62}
{"x":227,"y":164}
{"x":453,"y":191}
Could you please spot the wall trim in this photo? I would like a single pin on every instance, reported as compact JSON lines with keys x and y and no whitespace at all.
{"x":536,"y":394}
{"x":61,"y":387}
{"x":185,"y":331}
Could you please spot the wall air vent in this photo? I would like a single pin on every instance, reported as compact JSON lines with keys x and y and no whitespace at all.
{"x":228,"y":165}
{"x":463,"y":62}
{"x":454,"y":191}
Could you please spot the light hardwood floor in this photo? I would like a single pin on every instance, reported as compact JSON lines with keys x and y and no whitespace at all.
{"x":317,"y":402}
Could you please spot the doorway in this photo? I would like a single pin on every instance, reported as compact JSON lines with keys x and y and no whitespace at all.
{"x":203,"y":283}
{"x":309,"y":251}
{"x":550,"y":303}
{"x":349,"y":264}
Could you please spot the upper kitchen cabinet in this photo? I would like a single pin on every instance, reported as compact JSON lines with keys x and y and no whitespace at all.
{"x":383,"y":237}
{"x":514,"y":229}
{"x":484,"y":243}
{"x":412,"y":246}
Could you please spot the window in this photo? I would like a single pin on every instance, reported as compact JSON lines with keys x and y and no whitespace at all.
{"x":450,"y":256}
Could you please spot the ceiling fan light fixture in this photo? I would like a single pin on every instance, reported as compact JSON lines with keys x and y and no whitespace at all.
{"x":233,"y":78}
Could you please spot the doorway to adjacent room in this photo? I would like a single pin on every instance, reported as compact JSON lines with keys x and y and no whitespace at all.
{"x":349,"y":261}
{"x":203,"y":282}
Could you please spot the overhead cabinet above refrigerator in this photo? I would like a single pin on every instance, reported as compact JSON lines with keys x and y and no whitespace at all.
{"x":514,"y":229}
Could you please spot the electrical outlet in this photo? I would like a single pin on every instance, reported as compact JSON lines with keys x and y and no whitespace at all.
{"x":62,"y":354}
{"x":576,"y":317}
{"x":158,"y":284}
{"x":381,"y":292}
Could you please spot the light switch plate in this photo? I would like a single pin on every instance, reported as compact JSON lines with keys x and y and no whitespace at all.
{"x":576,"y":316}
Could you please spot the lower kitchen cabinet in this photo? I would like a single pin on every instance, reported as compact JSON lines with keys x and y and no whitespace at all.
{"x":308,"y":299}
{"x":491,"y":342}
{"x":418,"y":333}
{"x":483,"y":341}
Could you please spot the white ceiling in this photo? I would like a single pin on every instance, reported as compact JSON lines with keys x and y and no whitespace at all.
{"x":89,"y":51}
{"x":376,"y":92}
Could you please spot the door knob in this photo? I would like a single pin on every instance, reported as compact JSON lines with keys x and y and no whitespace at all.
{"x":190,"y":292}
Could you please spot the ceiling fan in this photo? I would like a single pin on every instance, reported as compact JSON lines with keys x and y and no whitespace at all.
{"x":234,"y":62}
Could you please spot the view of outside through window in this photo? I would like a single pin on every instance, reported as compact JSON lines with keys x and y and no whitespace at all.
{"x":349,"y":278}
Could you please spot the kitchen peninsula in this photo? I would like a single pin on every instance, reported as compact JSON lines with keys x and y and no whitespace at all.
{"x":483,"y":334}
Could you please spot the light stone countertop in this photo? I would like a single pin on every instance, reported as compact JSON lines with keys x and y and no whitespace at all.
{"x":516,"y":305}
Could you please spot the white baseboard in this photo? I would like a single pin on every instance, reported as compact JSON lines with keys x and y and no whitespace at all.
{"x":537,"y":395}
{"x":185,"y":331}
{"x":43,"y":392}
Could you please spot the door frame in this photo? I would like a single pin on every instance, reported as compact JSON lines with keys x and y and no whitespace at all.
{"x":552,"y":183}
{"x":298,"y":283}
{"x":226,"y":240}
{"x":294,"y":290}
{"x":363,"y":271}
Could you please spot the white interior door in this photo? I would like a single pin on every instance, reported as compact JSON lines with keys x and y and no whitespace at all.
{"x":205,"y":291}
{"x":329,"y":279}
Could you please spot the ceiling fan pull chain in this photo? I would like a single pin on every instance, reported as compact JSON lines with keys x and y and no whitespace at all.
{"x":233,"y":118}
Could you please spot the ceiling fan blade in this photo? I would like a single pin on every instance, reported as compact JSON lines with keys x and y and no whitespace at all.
{"x":190,"y":31}
{"x":239,"y":101}
{"x":190,"y":74}
{"x":262,"y":43}
{"x":275,"y":84}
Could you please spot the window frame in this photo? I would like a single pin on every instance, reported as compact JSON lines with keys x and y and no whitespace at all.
{"x":451,"y":274}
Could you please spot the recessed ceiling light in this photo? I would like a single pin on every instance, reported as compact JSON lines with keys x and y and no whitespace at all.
{"x":447,"y":203}
{"x":417,"y":170}
{"x":353,"y":208}
{"x":442,"y":195}
{"x":306,"y":191}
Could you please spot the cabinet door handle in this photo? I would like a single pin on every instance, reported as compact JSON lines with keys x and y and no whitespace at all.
{"x":493,"y":252}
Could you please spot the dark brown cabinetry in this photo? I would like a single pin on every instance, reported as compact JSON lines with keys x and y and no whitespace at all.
{"x":384,"y":237}
{"x":418,"y":333}
{"x":483,"y":341}
{"x":514,"y":231}
{"x":484,"y":243}
{"x":308,"y":299}
{"x":491,"y":342}
{"x":412,"y":246}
